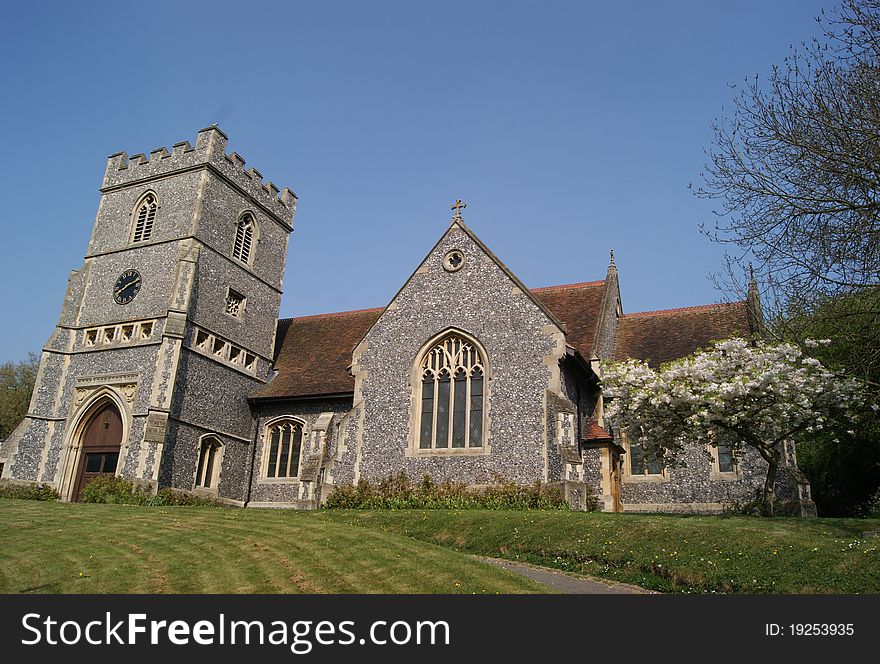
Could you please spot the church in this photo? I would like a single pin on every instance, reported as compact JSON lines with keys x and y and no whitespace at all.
{"x":169,"y":365}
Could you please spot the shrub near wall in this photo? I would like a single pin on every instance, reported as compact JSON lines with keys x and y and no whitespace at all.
{"x":399,"y":492}
{"x":29,"y":492}
{"x":109,"y":489}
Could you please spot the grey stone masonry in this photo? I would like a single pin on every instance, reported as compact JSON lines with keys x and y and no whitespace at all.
{"x":611,"y":309}
{"x":177,"y":360}
{"x":523,"y":344}
{"x":695,"y":486}
{"x":297,"y":491}
{"x":210,"y":150}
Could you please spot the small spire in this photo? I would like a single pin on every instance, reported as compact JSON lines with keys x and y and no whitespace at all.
{"x":612,"y":257}
{"x":457,"y":206}
{"x":753,"y":300}
{"x":753,"y":283}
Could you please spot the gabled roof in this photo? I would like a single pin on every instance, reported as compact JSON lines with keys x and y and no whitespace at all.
{"x":313,"y":354}
{"x":662,"y":336}
{"x":593,"y":433}
{"x":529,"y":293}
{"x":579,"y":306}
{"x":458,"y":222}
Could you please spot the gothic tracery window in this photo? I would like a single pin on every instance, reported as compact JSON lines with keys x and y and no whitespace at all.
{"x":244,"y":239}
{"x":234,"y":303}
{"x":283,"y":447}
{"x":452,"y":398}
{"x":144,"y":215}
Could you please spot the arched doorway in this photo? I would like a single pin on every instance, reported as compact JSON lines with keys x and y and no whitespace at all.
{"x":100,"y":442}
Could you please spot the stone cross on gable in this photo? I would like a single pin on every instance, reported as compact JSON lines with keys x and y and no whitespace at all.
{"x":457,"y":206}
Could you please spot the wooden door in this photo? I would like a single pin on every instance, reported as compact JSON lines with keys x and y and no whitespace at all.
{"x":100,"y":443}
{"x":615,"y":480}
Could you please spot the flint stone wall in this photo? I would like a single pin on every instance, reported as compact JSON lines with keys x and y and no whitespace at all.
{"x":694,"y":483}
{"x":287,"y":491}
{"x":484,"y":302}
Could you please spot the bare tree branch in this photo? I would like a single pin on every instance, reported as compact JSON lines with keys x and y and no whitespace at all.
{"x":795,"y":168}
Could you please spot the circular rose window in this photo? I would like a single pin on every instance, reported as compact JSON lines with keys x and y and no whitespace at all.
{"x":453,"y":260}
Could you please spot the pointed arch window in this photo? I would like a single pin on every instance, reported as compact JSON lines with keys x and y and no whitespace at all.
{"x":244,"y":239}
{"x":144,"y":216}
{"x":452,"y":395}
{"x":208,"y":469}
{"x":282,"y":449}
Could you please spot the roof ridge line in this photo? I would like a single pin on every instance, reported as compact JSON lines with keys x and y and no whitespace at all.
{"x":331,"y":314}
{"x":698,"y":307}
{"x":568,"y":286}
{"x":371,"y":309}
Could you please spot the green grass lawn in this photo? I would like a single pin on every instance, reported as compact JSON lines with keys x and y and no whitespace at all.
{"x":669,"y":553}
{"x":79,"y":548}
{"x":64,"y":548}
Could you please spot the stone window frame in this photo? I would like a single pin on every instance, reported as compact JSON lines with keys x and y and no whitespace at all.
{"x":216,"y":468}
{"x":627,"y":475}
{"x":146,"y":234}
{"x":416,"y":383}
{"x":220,"y":350}
{"x":246,"y":236}
{"x":448,"y":263}
{"x":715,"y":472}
{"x":242,"y":303}
{"x":129,"y":333}
{"x":264,"y":461}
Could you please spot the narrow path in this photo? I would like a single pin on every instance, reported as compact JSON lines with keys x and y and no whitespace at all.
{"x":566,"y":583}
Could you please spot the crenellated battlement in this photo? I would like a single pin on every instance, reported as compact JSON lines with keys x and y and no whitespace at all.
{"x":210,"y":148}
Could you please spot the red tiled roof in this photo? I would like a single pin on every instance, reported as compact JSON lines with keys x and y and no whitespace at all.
{"x":581,"y":284}
{"x":313,"y":353}
{"x":662,"y":336}
{"x":680,"y":310}
{"x":594,"y":432}
{"x":579,"y":307}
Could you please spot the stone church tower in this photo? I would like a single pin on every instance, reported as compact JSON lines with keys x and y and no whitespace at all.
{"x":165,"y":331}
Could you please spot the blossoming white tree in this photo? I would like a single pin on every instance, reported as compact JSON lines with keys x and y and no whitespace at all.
{"x":735,"y":392}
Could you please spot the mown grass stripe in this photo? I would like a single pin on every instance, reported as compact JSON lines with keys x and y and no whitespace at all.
{"x":52,"y":547}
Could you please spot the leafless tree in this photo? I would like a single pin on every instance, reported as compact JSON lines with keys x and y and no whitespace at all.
{"x":795,"y":166}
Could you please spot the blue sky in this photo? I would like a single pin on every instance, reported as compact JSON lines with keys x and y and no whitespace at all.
{"x":569,"y":128}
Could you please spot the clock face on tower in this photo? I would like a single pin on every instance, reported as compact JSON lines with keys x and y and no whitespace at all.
{"x":126,"y":287}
